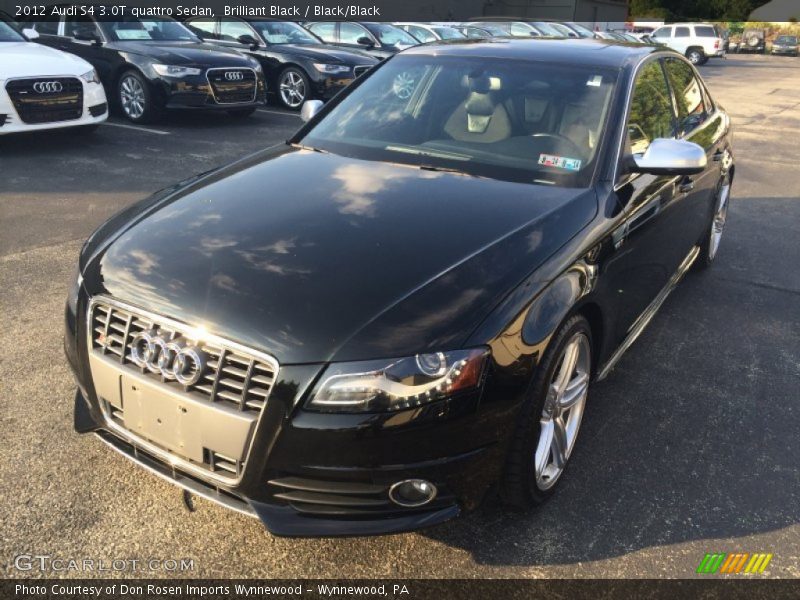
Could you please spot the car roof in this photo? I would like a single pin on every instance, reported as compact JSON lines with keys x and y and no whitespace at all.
{"x":599,"y":53}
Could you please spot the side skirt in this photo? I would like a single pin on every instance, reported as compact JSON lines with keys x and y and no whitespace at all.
{"x":648,"y":313}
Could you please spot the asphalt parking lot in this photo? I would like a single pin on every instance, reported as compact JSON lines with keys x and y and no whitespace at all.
{"x":690,"y":446}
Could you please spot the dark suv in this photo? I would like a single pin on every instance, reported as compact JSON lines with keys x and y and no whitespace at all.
{"x":753,"y":41}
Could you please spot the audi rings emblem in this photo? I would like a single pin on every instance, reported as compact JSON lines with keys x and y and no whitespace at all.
{"x":47,"y":87}
{"x":173,"y":359}
{"x":234,"y":75}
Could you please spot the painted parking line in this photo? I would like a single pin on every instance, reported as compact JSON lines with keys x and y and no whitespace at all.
{"x":278,"y":112}
{"x":137,"y":128}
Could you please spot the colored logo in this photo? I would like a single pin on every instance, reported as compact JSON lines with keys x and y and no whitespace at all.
{"x":742,"y":562}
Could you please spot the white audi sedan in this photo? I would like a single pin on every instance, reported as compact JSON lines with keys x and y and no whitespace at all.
{"x":44,"y":88}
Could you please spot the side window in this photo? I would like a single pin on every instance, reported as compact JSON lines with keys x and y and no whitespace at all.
{"x":205,"y":28}
{"x":77,"y":23}
{"x":705,"y":31}
{"x":651,"y":115}
{"x":350,"y":33}
{"x":49,"y":27}
{"x":521,"y":30}
{"x":326,"y":31}
{"x":231,"y":30}
{"x":663,"y":32}
{"x":688,"y":95}
{"x":682,"y":32}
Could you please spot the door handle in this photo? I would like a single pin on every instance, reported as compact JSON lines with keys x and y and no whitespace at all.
{"x":686,"y":186}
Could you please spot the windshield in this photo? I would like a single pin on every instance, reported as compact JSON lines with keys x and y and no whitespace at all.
{"x":123,"y":29}
{"x":283,"y":32}
{"x":582,"y":31}
{"x":448,"y":33}
{"x":389,"y":35}
{"x":504,"y":119}
{"x":786,"y":39}
{"x":547,"y":29}
{"x":9,"y":34}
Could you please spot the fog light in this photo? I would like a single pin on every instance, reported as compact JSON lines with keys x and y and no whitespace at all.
{"x":412,"y":492}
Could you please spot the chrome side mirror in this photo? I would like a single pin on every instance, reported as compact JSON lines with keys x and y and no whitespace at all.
{"x":310,"y":108}
{"x":30,"y":33}
{"x":671,"y":157}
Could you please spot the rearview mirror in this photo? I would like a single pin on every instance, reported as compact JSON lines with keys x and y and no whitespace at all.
{"x":671,"y":157}
{"x":248,"y":40}
{"x":310,"y":108}
{"x":365,"y":41}
{"x":31,"y":34}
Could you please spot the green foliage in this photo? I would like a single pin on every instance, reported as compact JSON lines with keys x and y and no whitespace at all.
{"x":716,"y":10}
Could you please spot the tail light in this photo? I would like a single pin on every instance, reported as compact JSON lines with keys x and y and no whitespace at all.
{"x":716,"y":44}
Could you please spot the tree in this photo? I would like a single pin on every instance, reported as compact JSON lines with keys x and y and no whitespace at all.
{"x":715,"y":10}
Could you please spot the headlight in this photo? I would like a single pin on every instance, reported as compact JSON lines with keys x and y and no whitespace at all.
{"x":91,"y":77}
{"x":74,"y":289}
{"x":175,"y":71}
{"x":389,"y":385}
{"x":331,"y":69}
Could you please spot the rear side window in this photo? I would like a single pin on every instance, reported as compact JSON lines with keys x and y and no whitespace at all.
{"x":688,"y":95}
{"x":682,"y":32}
{"x":704,"y":31}
{"x":651,"y":115}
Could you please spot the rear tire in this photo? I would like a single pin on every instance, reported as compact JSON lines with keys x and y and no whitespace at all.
{"x":709,"y":246}
{"x":696,"y":56}
{"x":549,"y":420}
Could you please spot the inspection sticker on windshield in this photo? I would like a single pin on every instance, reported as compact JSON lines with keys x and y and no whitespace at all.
{"x":560,"y":162}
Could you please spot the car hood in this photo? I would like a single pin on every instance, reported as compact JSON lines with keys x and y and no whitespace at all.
{"x":315,"y":257}
{"x":28,"y":59}
{"x":326,"y":52}
{"x":184,"y":53}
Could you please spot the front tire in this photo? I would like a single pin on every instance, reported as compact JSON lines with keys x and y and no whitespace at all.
{"x":550,"y":417}
{"x":293,"y":88}
{"x":135,"y":98}
{"x":711,"y":240}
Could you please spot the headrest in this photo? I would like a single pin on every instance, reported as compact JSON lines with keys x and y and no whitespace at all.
{"x":482,"y":84}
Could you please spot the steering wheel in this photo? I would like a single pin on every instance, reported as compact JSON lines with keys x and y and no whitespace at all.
{"x":573,"y":147}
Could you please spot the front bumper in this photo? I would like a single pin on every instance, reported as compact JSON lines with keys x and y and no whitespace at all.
{"x":95,"y":110}
{"x":196,"y":92}
{"x":314,"y":474}
{"x":788,"y":51}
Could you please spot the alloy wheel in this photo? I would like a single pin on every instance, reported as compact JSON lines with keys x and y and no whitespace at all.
{"x":132,"y":97}
{"x":563,"y":411}
{"x":292,"y":89}
{"x":718,"y":222}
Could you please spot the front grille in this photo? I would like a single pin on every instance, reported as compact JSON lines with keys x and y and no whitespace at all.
{"x":46,"y":100}
{"x":98,"y":109}
{"x":233,"y":91}
{"x":359,"y":71}
{"x":232,"y":375}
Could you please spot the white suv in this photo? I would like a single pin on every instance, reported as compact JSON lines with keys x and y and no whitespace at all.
{"x":696,"y":41}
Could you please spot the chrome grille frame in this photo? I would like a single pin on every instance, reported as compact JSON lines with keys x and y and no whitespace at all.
{"x":214,"y":93}
{"x":225,"y":475}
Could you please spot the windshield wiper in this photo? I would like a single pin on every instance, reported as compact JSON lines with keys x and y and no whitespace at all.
{"x":303,"y":147}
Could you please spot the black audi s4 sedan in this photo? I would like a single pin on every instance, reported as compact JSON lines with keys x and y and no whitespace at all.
{"x":152,"y":64}
{"x":367,"y":328}
{"x":297,"y":65}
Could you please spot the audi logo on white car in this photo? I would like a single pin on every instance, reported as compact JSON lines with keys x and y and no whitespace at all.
{"x":47,"y":87}
{"x":234,"y":75}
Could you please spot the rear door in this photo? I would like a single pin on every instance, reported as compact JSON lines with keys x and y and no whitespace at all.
{"x":697,"y":121}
